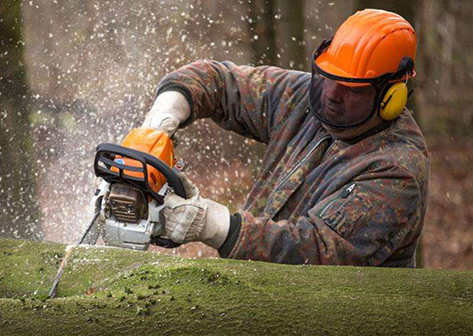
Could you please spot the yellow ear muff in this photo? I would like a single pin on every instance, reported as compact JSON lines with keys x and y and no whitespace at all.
{"x":394,"y":101}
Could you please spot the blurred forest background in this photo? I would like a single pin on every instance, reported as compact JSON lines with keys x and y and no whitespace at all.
{"x":77,"y":73}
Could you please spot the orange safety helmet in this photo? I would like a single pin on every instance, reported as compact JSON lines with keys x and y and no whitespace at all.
{"x":371,"y":47}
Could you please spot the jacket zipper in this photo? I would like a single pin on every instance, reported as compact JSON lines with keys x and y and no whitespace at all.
{"x":329,"y":147}
{"x":343,"y":194}
{"x":299,"y":164}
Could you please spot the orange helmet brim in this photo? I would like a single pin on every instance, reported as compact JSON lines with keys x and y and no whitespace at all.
{"x":326,"y":66}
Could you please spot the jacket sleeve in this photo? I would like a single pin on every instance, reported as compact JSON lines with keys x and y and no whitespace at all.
{"x":247,"y":100}
{"x":362,"y":227}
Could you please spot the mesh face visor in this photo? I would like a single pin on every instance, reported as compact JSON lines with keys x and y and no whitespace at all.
{"x":327,"y":113}
{"x":332,"y":117}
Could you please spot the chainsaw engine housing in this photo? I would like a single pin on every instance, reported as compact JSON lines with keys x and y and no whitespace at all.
{"x":129,"y":220}
{"x":127,"y":204}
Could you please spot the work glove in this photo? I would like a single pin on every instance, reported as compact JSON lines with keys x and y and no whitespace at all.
{"x":195,"y":218}
{"x":170,"y":109}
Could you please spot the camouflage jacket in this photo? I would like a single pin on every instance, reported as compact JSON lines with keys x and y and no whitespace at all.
{"x":315,"y":201}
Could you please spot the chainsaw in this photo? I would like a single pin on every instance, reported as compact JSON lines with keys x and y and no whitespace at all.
{"x":129,"y":201}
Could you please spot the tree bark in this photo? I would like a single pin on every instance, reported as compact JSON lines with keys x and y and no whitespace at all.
{"x":18,"y":202}
{"x":262,"y":26}
{"x":291,"y":45}
{"x":109,"y":291}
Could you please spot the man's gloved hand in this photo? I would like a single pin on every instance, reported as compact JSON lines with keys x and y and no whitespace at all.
{"x":169,"y":110}
{"x":195,"y":218}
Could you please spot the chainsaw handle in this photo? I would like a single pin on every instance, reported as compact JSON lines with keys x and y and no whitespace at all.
{"x":104,"y":154}
{"x":104,"y":160}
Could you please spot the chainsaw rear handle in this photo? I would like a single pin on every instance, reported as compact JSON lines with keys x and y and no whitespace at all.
{"x":104,"y":161}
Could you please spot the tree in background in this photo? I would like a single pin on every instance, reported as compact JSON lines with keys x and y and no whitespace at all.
{"x":444,"y":94}
{"x":446,"y":59}
{"x":277,"y":33}
{"x":291,"y":39}
{"x":18,"y":201}
{"x":262,"y":25}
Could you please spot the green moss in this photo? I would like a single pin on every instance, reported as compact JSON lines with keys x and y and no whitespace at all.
{"x":27,"y":267}
{"x":136,"y":292}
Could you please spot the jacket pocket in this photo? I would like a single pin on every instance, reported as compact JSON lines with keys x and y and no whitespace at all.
{"x":346,"y":211}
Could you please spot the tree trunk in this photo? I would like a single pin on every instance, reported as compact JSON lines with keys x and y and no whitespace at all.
{"x":291,"y":38}
{"x":109,"y":291}
{"x":262,"y":27}
{"x":18,"y":207}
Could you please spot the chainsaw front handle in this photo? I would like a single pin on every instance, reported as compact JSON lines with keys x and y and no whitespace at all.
{"x":104,"y":161}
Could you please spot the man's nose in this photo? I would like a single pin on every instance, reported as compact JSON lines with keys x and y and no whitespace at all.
{"x":334,"y":91}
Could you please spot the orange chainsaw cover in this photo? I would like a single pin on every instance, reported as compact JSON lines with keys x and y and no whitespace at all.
{"x":155,"y":143}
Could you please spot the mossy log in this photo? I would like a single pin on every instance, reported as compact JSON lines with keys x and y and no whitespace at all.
{"x":110,"y":291}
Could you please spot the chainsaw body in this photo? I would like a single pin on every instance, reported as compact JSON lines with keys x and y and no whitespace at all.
{"x":129,"y":207}
{"x":126,"y":218}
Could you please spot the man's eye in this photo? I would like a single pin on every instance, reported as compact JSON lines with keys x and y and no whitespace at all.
{"x":356,"y":90}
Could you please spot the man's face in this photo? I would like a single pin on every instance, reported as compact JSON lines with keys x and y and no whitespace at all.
{"x":345,"y":105}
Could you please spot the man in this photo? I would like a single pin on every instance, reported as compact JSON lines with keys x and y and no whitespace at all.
{"x":345,"y":174}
